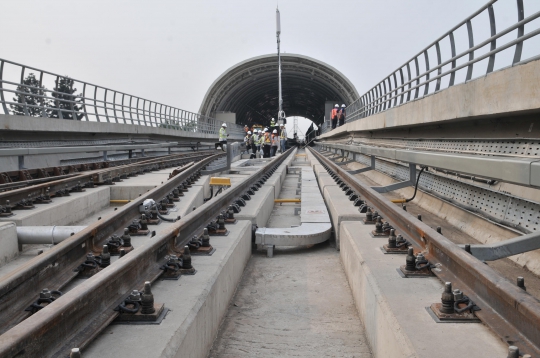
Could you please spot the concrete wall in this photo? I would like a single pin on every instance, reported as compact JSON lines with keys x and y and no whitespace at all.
{"x":228,"y":117}
{"x":27,"y":128}
{"x":512,"y":90}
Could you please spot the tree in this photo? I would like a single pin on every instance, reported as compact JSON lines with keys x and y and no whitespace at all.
{"x":63,"y":98}
{"x":32,"y":90}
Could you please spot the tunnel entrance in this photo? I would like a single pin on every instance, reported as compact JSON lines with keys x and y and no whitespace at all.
{"x":248,"y":91}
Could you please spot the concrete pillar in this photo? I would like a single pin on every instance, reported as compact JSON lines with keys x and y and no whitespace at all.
{"x":9,"y":248}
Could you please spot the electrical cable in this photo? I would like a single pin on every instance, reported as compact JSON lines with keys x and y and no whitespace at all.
{"x":167,"y":219}
{"x":415,"y":189}
{"x":211,"y":194}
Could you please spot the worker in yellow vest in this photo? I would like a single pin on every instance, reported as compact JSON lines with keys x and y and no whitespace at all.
{"x":267,"y":143}
{"x":283,"y":138}
{"x":272,"y":125}
{"x":222,"y":137}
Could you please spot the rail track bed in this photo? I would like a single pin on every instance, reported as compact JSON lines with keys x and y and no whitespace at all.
{"x":85,"y":285}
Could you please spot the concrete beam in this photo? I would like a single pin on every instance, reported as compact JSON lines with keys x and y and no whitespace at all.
{"x":521,"y":171}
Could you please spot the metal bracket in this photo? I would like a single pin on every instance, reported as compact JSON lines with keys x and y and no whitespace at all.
{"x":506,"y":248}
{"x":371,"y":167}
{"x":400,"y":185}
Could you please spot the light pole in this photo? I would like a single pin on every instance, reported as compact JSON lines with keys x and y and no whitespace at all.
{"x":281,"y":113}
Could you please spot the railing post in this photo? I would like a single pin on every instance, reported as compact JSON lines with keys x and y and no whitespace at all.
{"x":426,"y":86}
{"x":4,"y":106}
{"x":439,"y":71}
{"x":471,"y":54}
{"x":493,"y":46}
{"x":105,"y":105}
{"x":43,"y":103}
{"x":453,"y":50}
{"x":521,"y":30}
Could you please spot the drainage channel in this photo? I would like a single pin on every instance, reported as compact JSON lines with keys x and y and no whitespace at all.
{"x":296,"y":303}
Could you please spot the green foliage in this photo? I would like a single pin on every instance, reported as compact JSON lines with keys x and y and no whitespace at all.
{"x":62,"y":102}
{"x":32,"y":90}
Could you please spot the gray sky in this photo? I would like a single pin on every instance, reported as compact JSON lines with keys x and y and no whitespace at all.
{"x":172,"y":51}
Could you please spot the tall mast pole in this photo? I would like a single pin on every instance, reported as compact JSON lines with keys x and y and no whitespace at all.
{"x":281,"y":114}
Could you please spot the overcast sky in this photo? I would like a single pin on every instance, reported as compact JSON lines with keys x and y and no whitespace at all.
{"x":172,"y":51}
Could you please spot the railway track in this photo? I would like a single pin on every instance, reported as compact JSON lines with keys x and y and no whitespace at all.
{"x":76,"y":318}
{"x":512,"y":313}
{"x":56,"y":267}
{"x":43,"y":190}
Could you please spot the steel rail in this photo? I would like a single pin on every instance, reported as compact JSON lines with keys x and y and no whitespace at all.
{"x":55,"y":267}
{"x":43,"y":174}
{"x":95,"y":176}
{"x":77,"y":317}
{"x":17,"y":184}
{"x":513,"y":314}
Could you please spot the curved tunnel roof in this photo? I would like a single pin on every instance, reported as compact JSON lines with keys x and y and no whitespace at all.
{"x":250,"y":89}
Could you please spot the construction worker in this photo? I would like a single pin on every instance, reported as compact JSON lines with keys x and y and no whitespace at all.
{"x":248,"y":139}
{"x":334,"y":115}
{"x":274,"y":142}
{"x":266,"y":143}
{"x":283,"y":138}
{"x":341,"y":115}
{"x":256,"y":146}
{"x":272,"y":123}
{"x":222,"y":137}
{"x":261,"y":143}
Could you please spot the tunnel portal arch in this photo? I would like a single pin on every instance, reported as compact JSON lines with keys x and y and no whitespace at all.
{"x":250,"y":89}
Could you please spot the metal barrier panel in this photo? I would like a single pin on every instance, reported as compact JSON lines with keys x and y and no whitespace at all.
{"x":26,"y":91}
{"x":418,"y":77}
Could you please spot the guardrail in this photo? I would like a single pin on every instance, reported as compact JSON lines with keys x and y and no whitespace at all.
{"x":93,"y":103}
{"x":404,"y":85}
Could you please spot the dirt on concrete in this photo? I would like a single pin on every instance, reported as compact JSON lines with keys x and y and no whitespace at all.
{"x":296,"y":304}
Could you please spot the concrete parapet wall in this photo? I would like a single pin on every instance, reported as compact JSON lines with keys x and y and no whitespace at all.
{"x":513,"y":90}
{"x":69,"y":129}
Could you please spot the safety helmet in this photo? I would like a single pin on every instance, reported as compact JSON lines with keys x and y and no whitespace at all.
{"x":272,"y":118}
{"x":275,"y":131}
{"x":249,"y":132}
{"x":282,"y":125}
{"x":245,"y":125}
{"x":336,"y":105}
{"x":266,"y":129}
{"x":224,"y":125}
{"x":343,"y":105}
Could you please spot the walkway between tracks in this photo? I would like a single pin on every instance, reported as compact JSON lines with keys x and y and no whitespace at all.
{"x":297,"y":303}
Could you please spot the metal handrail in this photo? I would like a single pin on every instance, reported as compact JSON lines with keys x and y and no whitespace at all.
{"x":401,"y":84}
{"x":122,"y":109}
